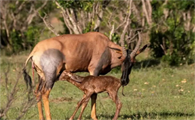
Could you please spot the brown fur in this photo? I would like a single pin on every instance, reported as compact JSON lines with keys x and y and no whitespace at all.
{"x":91,"y":85}
{"x":91,"y":52}
{"x":76,"y":48}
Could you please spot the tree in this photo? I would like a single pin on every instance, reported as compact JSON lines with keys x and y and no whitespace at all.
{"x":104,"y":16}
{"x":18,"y":28}
{"x":172,"y":33}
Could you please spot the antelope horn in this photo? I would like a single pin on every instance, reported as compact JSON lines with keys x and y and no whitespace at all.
{"x":124,"y":51}
{"x":133,"y":53}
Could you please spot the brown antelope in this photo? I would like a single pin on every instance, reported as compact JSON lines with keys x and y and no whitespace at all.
{"x":93,"y":85}
{"x":91,"y":52}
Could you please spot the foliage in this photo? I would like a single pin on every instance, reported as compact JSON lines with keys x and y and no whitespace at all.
{"x":168,"y":37}
{"x":171,"y":30}
{"x":77,"y":5}
{"x":21,"y":26}
{"x":84,"y":16}
{"x":156,"y":92}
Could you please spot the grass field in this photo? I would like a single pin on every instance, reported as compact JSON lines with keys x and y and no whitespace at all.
{"x":155,"y":92}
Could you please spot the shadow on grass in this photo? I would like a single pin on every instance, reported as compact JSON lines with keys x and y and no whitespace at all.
{"x":156,"y":115}
{"x":142,"y":64}
{"x":146,"y":63}
{"x":143,"y":115}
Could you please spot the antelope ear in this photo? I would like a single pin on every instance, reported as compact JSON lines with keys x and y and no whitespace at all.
{"x":141,"y":50}
{"x":120,"y":52}
{"x":116,"y":50}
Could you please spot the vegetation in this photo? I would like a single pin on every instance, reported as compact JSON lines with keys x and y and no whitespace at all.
{"x":161,"y":83}
{"x":155,"y":92}
{"x":168,"y":25}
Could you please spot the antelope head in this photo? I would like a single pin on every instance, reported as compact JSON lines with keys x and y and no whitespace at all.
{"x":129,"y":61}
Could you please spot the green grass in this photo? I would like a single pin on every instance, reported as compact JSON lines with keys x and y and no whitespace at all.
{"x":154,"y":92}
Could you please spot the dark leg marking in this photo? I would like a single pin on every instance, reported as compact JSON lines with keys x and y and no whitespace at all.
{"x":104,"y":60}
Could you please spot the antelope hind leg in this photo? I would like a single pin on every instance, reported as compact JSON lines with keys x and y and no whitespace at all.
{"x":45,"y":98}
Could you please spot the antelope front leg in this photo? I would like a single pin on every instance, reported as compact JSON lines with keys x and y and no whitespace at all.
{"x":94,"y":71}
{"x":93,"y":106}
{"x":45,"y":97}
{"x":118,"y":108}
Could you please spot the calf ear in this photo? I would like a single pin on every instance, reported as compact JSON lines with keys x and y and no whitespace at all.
{"x":141,"y":50}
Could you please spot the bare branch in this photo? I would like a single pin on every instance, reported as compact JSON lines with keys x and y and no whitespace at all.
{"x":111,"y":32}
{"x":148,"y":13}
{"x":187,"y":18}
{"x":132,"y":38}
{"x":120,"y":25}
{"x":149,"y":10}
{"x":74,"y":24}
{"x":48,"y":25}
{"x":127,"y":22}
{"x":136,"y":12}
{"x":31,"y":16}
{"x":99,"y":13}
{"x":163,"y":46}
{"x":26,"y":107}
{"x":165,"y":10}
{"x":67,"y":19}
{"x":10,"y":96}
{"x":21,"y":5}
{"x":75,"y":20}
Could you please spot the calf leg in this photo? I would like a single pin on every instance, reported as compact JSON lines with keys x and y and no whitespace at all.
{"x":118,"y":108}
{"x":114,"y":97}
{"x":83,"y":107}
{"x":78,"y":106}
{"x":83,"y":100}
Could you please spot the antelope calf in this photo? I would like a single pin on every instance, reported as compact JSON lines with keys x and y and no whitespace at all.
{"x":91,"y":85}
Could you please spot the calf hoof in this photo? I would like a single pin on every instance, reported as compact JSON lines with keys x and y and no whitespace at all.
{"x":71,"y":118}
{"x":41,"y":118}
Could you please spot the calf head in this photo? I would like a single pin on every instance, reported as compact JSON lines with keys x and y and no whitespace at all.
{"x":68,"y":75}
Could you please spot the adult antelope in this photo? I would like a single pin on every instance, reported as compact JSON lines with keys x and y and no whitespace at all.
{"x":92,"y":52}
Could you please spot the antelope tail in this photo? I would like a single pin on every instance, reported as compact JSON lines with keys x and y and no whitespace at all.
{"x":27,"y":77}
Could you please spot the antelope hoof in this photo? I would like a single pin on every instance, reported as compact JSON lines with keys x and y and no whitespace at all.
{"x":95,"y":118}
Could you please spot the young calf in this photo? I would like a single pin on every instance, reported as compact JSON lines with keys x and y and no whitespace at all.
{"x":91,"y":85}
